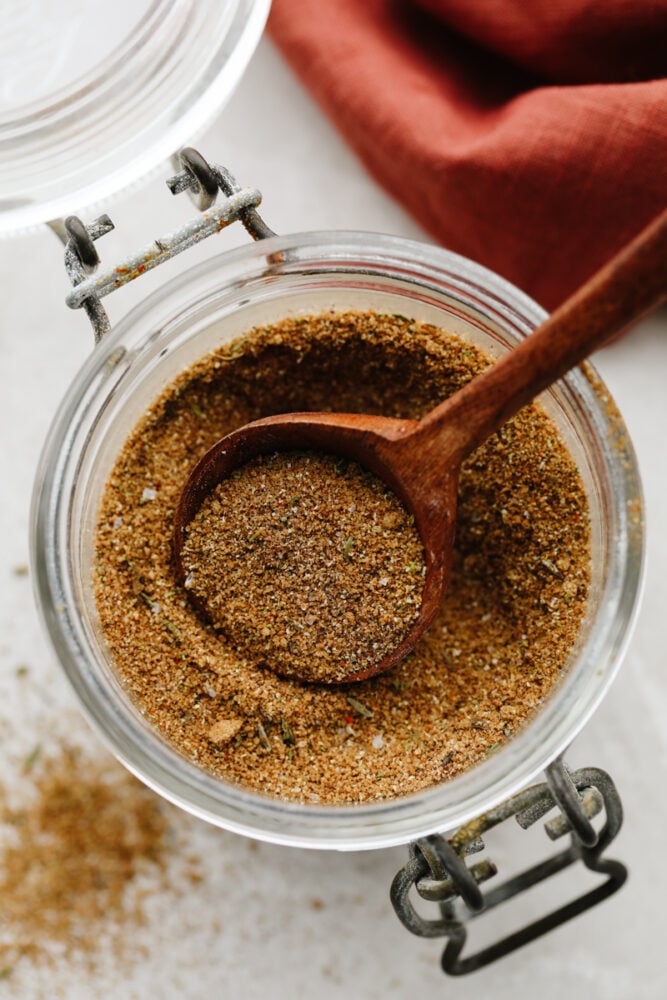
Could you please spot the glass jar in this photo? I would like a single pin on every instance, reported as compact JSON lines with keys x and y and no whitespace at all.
{"x":219,"y":300}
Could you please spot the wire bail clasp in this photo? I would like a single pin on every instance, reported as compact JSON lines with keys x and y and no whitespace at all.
{"x":202,"y":180}
{"x":437,"y":870}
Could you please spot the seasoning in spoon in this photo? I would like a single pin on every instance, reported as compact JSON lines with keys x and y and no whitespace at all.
{"x":307,"y":563}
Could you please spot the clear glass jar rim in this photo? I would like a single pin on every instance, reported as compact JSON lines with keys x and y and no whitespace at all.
{"x":509,"y":770}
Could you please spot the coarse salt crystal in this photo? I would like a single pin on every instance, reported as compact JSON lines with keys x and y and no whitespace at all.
{"x":118,"y":521}
{"x":148,"y":494}
{"x":378,"y":742}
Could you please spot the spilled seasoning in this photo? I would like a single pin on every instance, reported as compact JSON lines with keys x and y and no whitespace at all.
{"x":72,"y":853}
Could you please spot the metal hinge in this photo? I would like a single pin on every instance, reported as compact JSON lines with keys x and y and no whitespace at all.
{"x":438,"y":871}
{"x":201,"y":179}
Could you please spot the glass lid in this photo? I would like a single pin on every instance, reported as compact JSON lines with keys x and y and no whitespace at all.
{"x":94,"y":95}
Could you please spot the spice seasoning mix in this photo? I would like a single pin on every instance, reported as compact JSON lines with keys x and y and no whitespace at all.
{"x":514,"y":608}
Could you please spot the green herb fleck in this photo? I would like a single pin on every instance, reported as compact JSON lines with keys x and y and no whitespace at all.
{"x":196,"y":409}
{"x":263,"y":738}
{"x":6,"y":972}
{"x":286,"y":733}
{"x":173,"y":630}
{"x":347,"y":548}
{"x":31,"y":759}
{"x":359,"y":707}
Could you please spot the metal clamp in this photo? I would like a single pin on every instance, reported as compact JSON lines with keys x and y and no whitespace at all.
{"x":198,"y":177}
{"x":437,"y":869}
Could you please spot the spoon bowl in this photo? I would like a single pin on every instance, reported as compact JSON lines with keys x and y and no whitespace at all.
{"x":378,"y":444}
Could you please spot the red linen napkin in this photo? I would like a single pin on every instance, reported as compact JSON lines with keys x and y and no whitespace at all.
{"x":529,"y":135}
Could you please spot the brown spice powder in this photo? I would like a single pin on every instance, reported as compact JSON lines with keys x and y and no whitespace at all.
{"x":69,"y":856}
{"x":308,"y":564}
{"x":515,"y":604}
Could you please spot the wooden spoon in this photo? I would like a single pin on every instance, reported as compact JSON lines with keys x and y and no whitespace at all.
{"x":420,"y":460}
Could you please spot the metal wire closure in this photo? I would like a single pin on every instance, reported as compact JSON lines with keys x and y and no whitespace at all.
{"x":437,"y":869}
{"x":205,"y":181}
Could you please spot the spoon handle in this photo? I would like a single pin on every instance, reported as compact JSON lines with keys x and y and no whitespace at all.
{"x":632,"y":284}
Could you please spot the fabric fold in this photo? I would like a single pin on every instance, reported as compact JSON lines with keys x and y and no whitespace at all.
{"x":541,"y":181}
